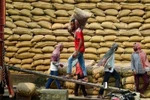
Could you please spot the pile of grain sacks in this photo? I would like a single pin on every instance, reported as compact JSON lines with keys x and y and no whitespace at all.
{"x":34,"y":27}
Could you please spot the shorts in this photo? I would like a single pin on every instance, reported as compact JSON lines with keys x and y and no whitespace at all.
{"x":1,"y":89}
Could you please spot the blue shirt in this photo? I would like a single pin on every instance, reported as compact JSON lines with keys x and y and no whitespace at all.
{"x":136,"y":64}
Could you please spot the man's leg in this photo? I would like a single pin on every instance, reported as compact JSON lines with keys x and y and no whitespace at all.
{"x":117,"y":77}
{"x":50,"y":80}
{"x":71,"y":62}
{"x":56,"y":81}
{"x":145,"y":78}
{"x":106,"y":78}
{"x":82,"y":63}
{"x":136,"y":78}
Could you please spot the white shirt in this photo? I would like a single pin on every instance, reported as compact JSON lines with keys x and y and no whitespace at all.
{"x":54,"y":66}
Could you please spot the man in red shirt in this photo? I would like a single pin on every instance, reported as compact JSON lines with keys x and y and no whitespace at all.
{"x":77,"y":56}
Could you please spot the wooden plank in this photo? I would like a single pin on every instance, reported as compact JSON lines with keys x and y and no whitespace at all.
{"x":65,"y":79}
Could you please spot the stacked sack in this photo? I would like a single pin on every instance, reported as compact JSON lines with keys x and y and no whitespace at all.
{"x":34,"y":27}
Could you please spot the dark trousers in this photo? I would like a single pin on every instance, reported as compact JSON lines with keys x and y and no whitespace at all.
{"x":50,"y":80}
{"x":107,"y":75}
{"x":82,"y":87}
{"x":145,"y":78}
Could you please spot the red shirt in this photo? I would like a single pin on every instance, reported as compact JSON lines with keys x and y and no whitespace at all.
{"x":79,"y":70}
{"x":79,"y":35}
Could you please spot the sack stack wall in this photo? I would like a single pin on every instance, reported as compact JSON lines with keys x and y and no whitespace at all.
{"x":34,"y":27}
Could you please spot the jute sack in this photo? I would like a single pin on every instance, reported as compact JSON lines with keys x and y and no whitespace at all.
{"x":37,"y":11}
{"x":105,"y":6}
{"x":112,"y":12}
{"x":81,"y":16}
{"x":24,"y":55}
{"x":65,"y":55}
{"x":23,"y":49}
{"x":95,"y":45}
{"x":25,"y":12}
{"x":61,"y":32}
{"x":122,"y":39}
{"x":90,"y":56}
{"x":42,"y":5}
{"x":20,"y":30}
{"x":27,"y":61}
{"x":15,"y":61}
{"x":100,"y":19}
{"x":137,"y":12}
{"x":128,"y":80}
{"x":92,"y":92}
{"x":110,"y":38}
{"x":47,"y":49}
{"x":120,"y":25}
{"x":97,"y":39}
{"x":10,"y":24}
{"x":63,"y":6}
{"x":88,"y":32}
{"x":46,"y":62}
{"x":38,"y":56}
{"x":146,"y":39}
{"x":21,"y":5}
{"x":69,"y":1}
{"x":91,"y":50}
{"x":6,"y":59}
{"x":10,"y":54}
{"x":134,"y":25}
{"x":57,"y":26}
{"x":41,"y":18}
{"x":147,"y":45}
{"x":129,"y":86}
{"x":108,"y":25}
{"x":112,"y":19}
{"x":135,"y":38}
{"x":37,"y":62}
{"x":41,"y":68}
{"x":33,"y":25}
{"x":100,"y":32}
{"x":62,"y":39}
{"x":98,"y":12}
{"x":144,"y":26}
{"x":37,"y":38}
{"x":42,"y":31}
{"x":132,"y":6}
{"x":147,"y":15}
{"x":145,"y":32}
{"x":14,"y":37}
{"x":26,"y":89}
{"x":45,"y":24}
{"x":62,"y":13}
{"x":87,"y":44}
{"x":94,"y":26}
{"x":126,"y":56}
{"x":145,"y":1}
{"x":106,"y":44}
{"x":46,"y":43}
{"x":102,"y":50}
{"x":8,"y":31}
{"x":63,"y":20}
{"x":12,"y":49}
{"x":24,"y":44}
{"x":35,"y":50}
{"x":8,"y":19}
{"x":25,"y":37}
{"x":124,"y":12}
{"x":23,"y":18}
{"x":69,"y":85}
{"x":71,"y":49}
{"x":50,"y":12}
{"x":57,"y":1}
{"x":86,"y":5}
{"x":128,"y":50}
{"x":120,"y":50}
{"x":10,"y":43}
{"x":147,"y":20}
{"x":27,"y":66}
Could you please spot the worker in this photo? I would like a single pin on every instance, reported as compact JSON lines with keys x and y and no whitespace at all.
{"x":139,"y":63}
{"x":109,"y":68}
{"x":77,"y":33}
{"x":54,"y":65}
